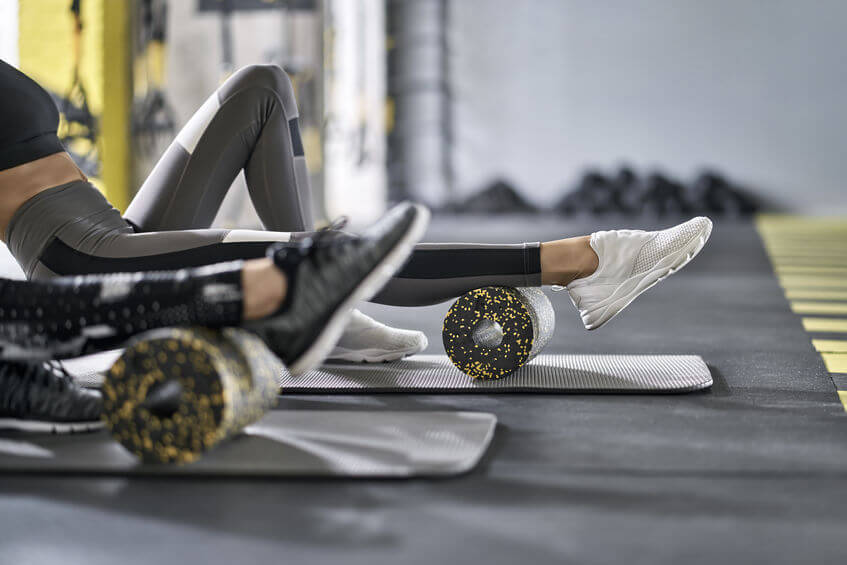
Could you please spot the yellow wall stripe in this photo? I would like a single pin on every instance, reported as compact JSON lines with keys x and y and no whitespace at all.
{"x":811,"y":270}
{"x":45,"y":45}
{"x":813,"y":294}
{"x":800,"y":281}
{"x":799,"y":307}
{"x":809,"y":256}
{"x":811,"y":245}
{"x":783,"y":263}
{"x":830,"y":345}
{"x":836,"y":325}
{"x":805,"y":251}
{"x":801,"y":248}
{"x":808,"y":260}
{"x":117,"y":110}
{"x":835,"y":362}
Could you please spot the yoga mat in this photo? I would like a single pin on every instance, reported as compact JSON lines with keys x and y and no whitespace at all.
{"x":546,"y":373}
{"x":307,"y":443}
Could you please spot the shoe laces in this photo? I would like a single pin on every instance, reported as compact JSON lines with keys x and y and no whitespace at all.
{"x":61,"y":377}
{"x":18,"y":377}
{"x":50,"y":373}
{"x":319,"y":246}
{"x":337,"y":224}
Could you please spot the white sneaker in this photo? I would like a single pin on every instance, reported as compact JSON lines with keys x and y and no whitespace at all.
{"x":631,"y":261}
{"x":369,"y":341}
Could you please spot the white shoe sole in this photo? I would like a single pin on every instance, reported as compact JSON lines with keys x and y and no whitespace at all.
{"x":372,"y":355}
{"x":35,"y":426}
{"x":633,"y":287}
{"x":369,"y":286}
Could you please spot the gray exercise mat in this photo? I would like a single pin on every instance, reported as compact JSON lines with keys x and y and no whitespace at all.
{"x":545,"y":373}
{"x":435,"y":373}
{"x":305,"y":443}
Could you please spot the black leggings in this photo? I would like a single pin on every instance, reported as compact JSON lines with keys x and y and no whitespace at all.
{"x":250,"y":124}
{"x":72,"y":316}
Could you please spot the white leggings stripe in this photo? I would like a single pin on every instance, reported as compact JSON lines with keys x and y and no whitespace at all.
{"x":240,"y":236}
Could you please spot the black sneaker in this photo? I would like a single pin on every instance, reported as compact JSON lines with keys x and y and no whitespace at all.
{"x":37,"y":397}
{"x":328,"y":276}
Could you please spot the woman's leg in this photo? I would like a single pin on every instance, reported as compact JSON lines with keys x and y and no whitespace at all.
{"x":249,"y":123}
{"x":437,"y":272}
{"x":295,"y":286}
{"x":297,"y":301}
{"x":72,"y":230}
{"x":71,"y":316}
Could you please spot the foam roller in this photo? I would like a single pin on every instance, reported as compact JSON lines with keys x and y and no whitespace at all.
{"x":491,"y":332}
{"x":177,"y":392}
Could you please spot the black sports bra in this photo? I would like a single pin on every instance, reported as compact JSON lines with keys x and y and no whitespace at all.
{"x":28,"y":119}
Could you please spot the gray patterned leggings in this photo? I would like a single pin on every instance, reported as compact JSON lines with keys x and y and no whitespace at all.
{"x":250,"y":123}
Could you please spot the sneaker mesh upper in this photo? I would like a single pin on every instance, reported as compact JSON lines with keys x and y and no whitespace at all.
{"x":666,"y":242}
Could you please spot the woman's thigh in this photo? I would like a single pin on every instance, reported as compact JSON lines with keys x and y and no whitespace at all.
{"x":68,"y":254}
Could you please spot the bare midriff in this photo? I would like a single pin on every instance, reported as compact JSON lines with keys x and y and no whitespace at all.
{"x":19,"y":184}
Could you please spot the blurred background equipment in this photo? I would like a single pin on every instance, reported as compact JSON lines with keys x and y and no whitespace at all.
{"x":626,"y":193}
{"x":480,"y":106}
{"x":153,"y":116}
{"x":536,"y":92}
{"x":78,"y":131}
{"x":500,"y":197}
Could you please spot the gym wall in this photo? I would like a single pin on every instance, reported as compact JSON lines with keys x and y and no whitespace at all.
{"x":540,"y":89}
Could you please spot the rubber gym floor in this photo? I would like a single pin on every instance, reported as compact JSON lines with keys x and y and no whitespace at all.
{"x":752,"y":471}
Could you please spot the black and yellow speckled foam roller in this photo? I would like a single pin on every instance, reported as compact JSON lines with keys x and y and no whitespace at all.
{"x":491,"y":332}
{"x":177,"y":392}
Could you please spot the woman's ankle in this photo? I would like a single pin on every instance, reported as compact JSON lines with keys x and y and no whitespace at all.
{"x":264,"y":288}
{"x":565,"y":260}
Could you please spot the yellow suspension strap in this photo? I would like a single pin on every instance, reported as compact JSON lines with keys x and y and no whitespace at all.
{"x":79,"y":129}
{"x":154,"y":122}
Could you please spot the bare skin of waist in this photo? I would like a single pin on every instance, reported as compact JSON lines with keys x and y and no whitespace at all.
{"x":19,"y":184}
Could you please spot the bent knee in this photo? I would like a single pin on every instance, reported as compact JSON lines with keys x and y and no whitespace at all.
{"x":269,"y":77}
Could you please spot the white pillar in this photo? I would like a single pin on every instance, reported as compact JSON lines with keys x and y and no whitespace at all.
{"x":355,"y":181}
{"x":9,"y":31}
{"x":422,"y":102}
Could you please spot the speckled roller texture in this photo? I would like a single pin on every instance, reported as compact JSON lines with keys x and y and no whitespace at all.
{"x":177,"y":392}
{"x":491,"y":332}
